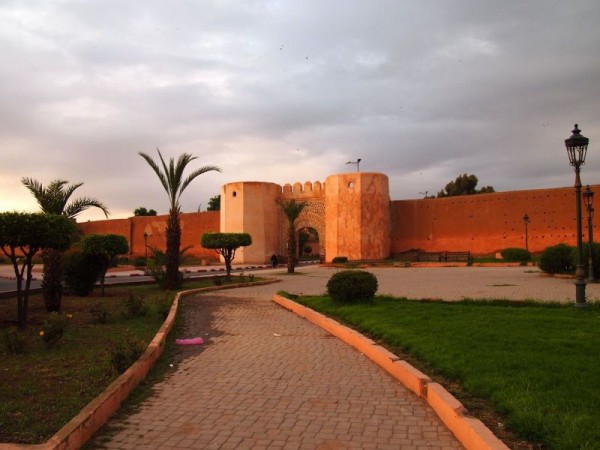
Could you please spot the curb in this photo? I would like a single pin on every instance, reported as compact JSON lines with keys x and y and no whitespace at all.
{"x":471,"y":432}
{"x":94,"y":415}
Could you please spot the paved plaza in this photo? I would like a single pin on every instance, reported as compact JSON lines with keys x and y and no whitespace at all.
{"x":267,"y":379}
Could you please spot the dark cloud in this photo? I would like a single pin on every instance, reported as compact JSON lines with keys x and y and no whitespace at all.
{"x":284,"y":92}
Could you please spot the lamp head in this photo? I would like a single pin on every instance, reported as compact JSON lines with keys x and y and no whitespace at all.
{"x":576,"y":147}
{"x":588,"y":197}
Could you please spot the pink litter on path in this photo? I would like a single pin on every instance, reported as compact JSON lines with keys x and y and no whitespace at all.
{"x":193,"y":341}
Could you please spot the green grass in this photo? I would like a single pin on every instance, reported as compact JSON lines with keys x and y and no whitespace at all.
{"x":537,"y":365}
{"x":44,"y":388}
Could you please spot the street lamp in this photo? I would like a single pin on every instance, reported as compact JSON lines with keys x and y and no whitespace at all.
{"x":577,"y":149}
{"x":146,"y":244}
{"x":526,"y":222}
{"x":588,"y":199}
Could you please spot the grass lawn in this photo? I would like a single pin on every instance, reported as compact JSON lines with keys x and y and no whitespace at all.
{"x":536,"y":365}
{"x":43,"y":388}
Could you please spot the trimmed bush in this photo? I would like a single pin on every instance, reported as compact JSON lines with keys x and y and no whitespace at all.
{"x":515,"y":255}
{"x":558,"y":259}
{"x":340,"y":260}
{"x":351,"y":286}
{"x":80,"y":272}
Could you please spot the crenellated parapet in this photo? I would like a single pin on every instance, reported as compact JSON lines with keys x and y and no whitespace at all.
{"x":303,"y":191}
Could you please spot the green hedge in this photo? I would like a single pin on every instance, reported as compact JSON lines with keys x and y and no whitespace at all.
{"x":515,"y":255}
{"x":350,"y":286}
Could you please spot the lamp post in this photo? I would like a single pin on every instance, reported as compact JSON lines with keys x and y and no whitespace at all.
{"x":146,"y":244}
{"x":577,"y":149}
{"x":588,"y":199}
{"x":526,"y":222}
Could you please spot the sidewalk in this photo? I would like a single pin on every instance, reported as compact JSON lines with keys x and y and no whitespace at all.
{"x":267,"y":379}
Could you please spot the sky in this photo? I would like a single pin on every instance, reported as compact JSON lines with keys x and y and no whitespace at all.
{"x":287,"y":91}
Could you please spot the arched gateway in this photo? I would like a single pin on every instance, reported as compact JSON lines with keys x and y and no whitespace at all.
{"x":350,"y":212}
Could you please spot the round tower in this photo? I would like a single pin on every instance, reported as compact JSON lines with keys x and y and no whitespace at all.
{"x":357,"y":214}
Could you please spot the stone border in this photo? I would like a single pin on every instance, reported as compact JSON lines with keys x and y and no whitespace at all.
{"x":95,"y":414}
{"x":471,"y":432}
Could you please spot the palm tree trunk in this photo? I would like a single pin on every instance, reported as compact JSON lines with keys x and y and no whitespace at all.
{"x":291,"y":264}
{"x":173,"y":280}
{"x":52,"y":282}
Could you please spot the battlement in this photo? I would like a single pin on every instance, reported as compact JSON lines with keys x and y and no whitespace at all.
{"x":308,"y":189}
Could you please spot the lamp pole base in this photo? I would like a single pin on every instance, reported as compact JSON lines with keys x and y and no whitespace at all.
{"x":580,"y":294}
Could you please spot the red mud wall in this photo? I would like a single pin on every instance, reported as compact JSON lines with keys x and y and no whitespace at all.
{"x":133,"y":228}
{"x":487,"y":223}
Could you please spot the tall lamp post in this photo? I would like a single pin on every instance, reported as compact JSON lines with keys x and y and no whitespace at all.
{"x":526,"y":222}
{"x":577,"y":149}
{"x":588,"y":199}
{"x":146,"y":244}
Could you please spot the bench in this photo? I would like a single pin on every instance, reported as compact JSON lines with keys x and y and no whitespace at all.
{"x":416,"y":256}
{"x":457,"y":256}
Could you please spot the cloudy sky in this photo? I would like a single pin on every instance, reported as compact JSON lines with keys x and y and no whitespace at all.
{"x":286,"y":91}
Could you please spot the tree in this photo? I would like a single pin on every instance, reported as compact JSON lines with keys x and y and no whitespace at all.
{"x":141,"y":211}
{"x":463,"y":185}
{"x":105,"y":247}
{"x":171,"y":178}
{"x":55,"y":199}
{"x":291,"y":210}
{"x":22,"y":235}
{"x":214,"y":204}
{"x":226,"y":244}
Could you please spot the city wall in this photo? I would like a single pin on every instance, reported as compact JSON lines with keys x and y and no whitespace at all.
{"x":133,"y":228}
{"x":486,"y":223}
{"x":481,"y":224}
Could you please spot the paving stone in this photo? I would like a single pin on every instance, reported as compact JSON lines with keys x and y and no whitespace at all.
{"x":266,"y":378}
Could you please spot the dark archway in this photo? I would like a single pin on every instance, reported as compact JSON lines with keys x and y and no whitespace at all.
{"x":309,"y":247}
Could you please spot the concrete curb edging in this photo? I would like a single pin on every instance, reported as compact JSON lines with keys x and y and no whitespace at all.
{"x":471,"y":432}
{"x":80,"y":428}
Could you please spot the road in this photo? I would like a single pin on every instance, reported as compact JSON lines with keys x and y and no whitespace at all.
{"x":8,"y":283}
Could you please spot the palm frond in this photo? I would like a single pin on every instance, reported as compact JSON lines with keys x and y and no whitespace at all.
{"x":79,"y":205}
{"x":291,"y":209}
{"x":195,"y":174}
{"x":54,"y":198}
{"x":154,"y":166}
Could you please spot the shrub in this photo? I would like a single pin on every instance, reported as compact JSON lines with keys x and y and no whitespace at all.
{"x":515,"y":255}
{"x":162,"y":306}
{"x":596,"y":258}
{"x":340,"y":259}
{"x":217,"y":280}
{"x":15,"y":341}
{"x":350,"y":286}
{"x":125,"y":353}
{"x":558,"y":259}
{"x":157,"y":267}
{"x":135,"y":306}
{"x":139,"y":262}
{"x":80,"y":272}
{"x":100,"y":313}
{"x":54,"y":328}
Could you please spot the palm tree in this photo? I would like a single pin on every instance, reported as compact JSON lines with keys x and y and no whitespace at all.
{"x":54,"y":199}
{"x":171,"y":178}
{"x":291,"y":210}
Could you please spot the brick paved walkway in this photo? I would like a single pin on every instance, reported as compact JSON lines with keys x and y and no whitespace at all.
{"x":266,"y":379}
